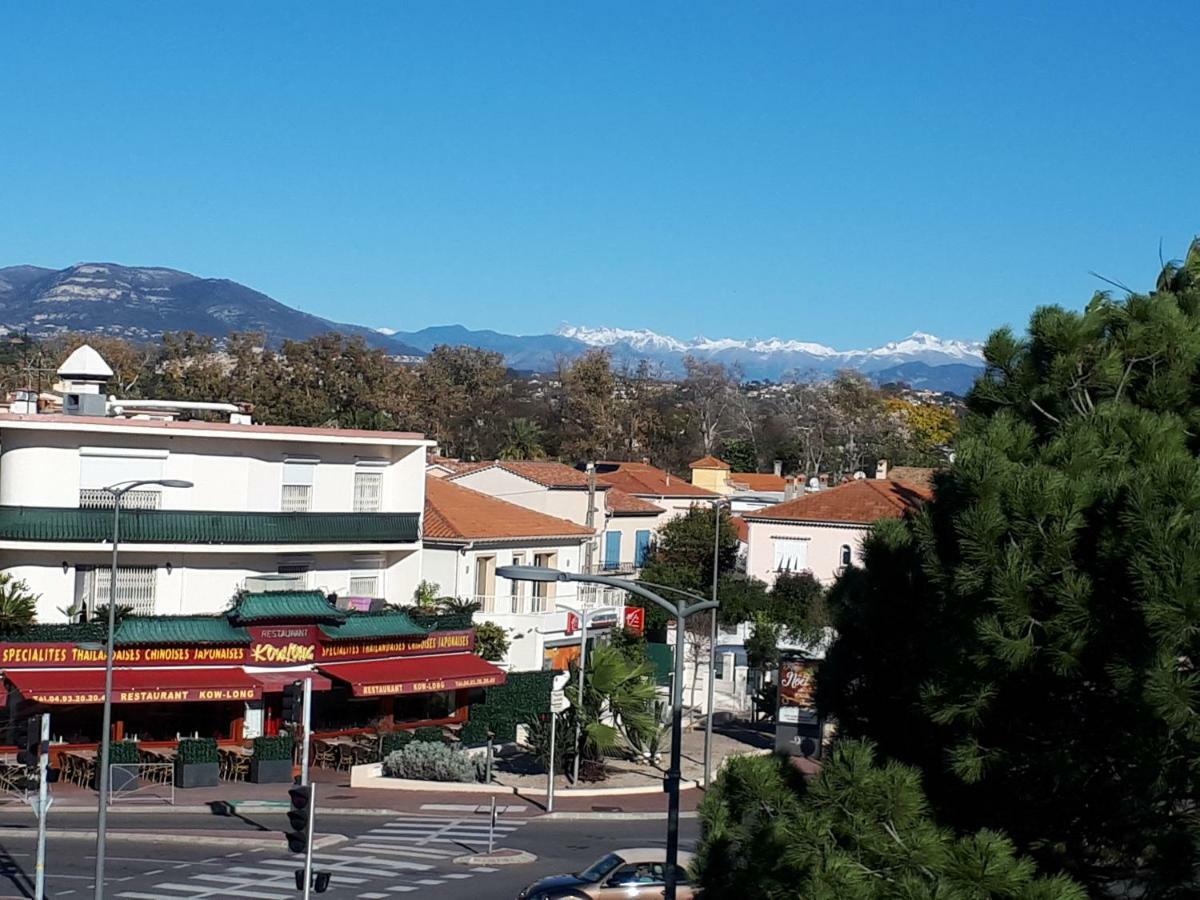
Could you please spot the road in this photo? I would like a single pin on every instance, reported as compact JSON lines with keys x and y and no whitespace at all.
{"x":409,"y":854}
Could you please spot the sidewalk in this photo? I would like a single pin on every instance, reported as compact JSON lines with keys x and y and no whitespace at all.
{"x":334,"y":795}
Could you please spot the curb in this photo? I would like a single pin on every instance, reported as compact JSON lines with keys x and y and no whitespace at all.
{"x":246,"y":806}
{"x":641,"y":790}
{"x":609,"y":817}
{"x":500,"y":858}
{"x":272,"y":843}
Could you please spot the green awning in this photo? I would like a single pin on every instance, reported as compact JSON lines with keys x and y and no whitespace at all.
{"x":373,"y":625}
{"x":164,"y":526}
{"x":178,"y":630}
{"x":274,"y":605}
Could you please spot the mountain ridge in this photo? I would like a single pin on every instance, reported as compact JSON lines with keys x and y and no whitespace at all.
{"x":142,"y":302}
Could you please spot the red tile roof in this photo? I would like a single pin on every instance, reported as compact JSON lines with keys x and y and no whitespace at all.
{"x":623,"y":503}
{"x":752,"y":481}
{"x":913,"y":475}
{"x":742,"y":527}
{"x":859,"y":502}
{"x":708,"y":462}
{"x":547,"y":473}
{"x":457,"y":513}
{"x":644,"y":480}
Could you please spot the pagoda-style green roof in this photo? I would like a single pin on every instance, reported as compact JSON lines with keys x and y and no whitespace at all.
{"x":165,"y":526}
{"x":274,"y":605}
{"x":176,"y":630}
{"x":387,"y":624}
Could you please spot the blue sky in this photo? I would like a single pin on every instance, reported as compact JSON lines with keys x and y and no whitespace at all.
{"x":845,"y":173}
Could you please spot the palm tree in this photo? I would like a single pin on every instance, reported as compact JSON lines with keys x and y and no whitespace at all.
{"x":523,"y":440}
{"x":18,"y":606}
{"x":617,"y":710}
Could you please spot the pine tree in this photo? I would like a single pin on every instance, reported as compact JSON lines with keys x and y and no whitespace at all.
{"x":1031,"y":639}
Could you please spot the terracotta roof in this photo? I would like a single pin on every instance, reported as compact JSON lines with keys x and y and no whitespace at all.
{"x":856,"y":502}
{"x":913,"y":475}
{"x":708,"y":462}
{"x":752,"y":481}
{"x":547,"y":473}
{"x":457,"y":513}
{"x":626,"y":504}
{"x":644,"y":480}
{"x":742,"y":527}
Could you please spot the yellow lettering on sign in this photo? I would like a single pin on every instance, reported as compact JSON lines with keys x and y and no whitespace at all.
{"x":288,"y":653}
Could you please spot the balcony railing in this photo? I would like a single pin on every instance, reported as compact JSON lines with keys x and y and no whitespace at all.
{"x":157,"y":526}
{"x":611,"y":568}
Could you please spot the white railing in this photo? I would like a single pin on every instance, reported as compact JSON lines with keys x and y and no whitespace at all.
{"x":98,"y":498}
{"x":368,"y":493}
{"x":296,"y":498}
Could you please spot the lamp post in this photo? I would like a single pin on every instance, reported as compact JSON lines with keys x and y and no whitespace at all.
{"x":680,"y":611}
{"x":712,"y":640}
{"x":117,"y":492}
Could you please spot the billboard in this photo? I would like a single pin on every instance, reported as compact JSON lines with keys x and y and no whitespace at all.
{"x":797,"y":727}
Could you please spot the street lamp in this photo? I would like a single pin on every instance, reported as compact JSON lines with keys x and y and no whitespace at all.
{"x":712,"y":638}
{"x":117,"y":492}
{"x":680,"y":611}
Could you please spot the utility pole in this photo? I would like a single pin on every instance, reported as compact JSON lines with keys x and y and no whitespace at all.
{"x":712,"y":644}
{"x":589,"y":551}
{"x":39,"y":890}
{"x":307,"y":726}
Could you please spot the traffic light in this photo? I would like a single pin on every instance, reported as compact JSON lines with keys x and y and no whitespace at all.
{"x":293,"y":702}
{"x":298,"y":817}
{"x":320,"y":881}
{"x":27,"y":737}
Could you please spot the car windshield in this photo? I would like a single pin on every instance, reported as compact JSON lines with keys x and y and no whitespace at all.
{"x":597,"y":871}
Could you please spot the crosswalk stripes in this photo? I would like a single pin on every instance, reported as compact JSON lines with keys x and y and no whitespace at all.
{"x":407,"y":854}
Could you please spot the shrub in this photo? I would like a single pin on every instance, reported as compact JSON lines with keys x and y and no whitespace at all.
{"x":430,"y":734}
{"x":123,"y":752}
{"x":197,"y":750}
{"x":395,"y":740}
{"x":427,"y":761}
{"x":274,"y":748}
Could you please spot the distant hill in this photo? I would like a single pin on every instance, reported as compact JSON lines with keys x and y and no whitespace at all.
{"x":142,"y":302}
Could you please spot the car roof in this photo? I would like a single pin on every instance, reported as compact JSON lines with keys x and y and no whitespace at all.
{"x":651,"y":855}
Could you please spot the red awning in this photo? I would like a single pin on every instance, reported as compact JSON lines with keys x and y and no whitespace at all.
{"x":71,"y":686}
{"x":275,"y":682}
{"x":416,"y":674}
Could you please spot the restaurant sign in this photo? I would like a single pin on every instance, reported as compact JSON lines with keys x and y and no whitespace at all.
{"x":270,"y":645}
{"x":428,"y":686}
{"x":145,"y":695}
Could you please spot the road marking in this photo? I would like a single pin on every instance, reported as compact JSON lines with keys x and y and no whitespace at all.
{"x":373,"y":896}
{"x":482,"y":869}
{"x":198,"y":890}
{"x":401,"y":887}
{"x":475,"y":809}
{"x":419,"y":852}
{"x":457,"y":874}
{"x":154,"y":872}
{"x":430,"y":881}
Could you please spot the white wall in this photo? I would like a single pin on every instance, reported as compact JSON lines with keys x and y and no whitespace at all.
{"x":628,"y":526}
{"x":42,"y":468}
{"x":565,"y":504}
{"x":205,"y":583}
{"x":824,"y":548}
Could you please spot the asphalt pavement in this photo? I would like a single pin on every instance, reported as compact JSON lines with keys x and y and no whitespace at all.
{"x":199,"y":857}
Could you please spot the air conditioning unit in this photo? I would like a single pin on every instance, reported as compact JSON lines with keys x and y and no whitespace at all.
{"x":77,"y":404}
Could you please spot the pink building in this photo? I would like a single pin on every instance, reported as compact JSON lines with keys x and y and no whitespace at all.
{"x":822,"y":532}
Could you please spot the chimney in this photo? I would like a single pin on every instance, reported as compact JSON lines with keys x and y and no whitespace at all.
{"x":645,"y":460}
{"x":791,"y":490}
{"x":823,"y":481}
{"x":881,"y":469}
{"x":24,"y":403}
{"x":778,"y":466}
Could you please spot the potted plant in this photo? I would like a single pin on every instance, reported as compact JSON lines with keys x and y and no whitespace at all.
{"x":123,"y":759}
{"x":197,"y":763}
{"x":272,"y":762}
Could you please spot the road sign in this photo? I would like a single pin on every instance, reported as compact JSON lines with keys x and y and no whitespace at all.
{"x":558,"y":702}
{"x":36,"y":802}
{"x":635,"y":619}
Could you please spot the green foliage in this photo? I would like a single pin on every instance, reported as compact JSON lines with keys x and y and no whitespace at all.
{"x":629,"y":644}
{"x":278,"y":747}
{"x":430,"y":734}
{"x":394,"y":740}
{"x":18,"y":605}
{"x":1029,"y":640}
{"x":491,"y":641}
{"x":860,"y":831}
{"x":522,"y":700}
{"x":430,"y":761}
{"x":196,"y":750}
{"x":123,"y":752}
{"x":523,"y":439}
{"x":426,"y":594}
{"x":762,"y":645}
{"x":617,"y":711}
{"x":741,"y":455}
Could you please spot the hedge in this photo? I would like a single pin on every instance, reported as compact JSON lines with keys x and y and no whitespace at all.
{"x":521,"y":700}
{"x":278,"y":747}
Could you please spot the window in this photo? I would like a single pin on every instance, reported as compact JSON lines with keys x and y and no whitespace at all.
{"x":612,"y":549}
{"x":846,"y":555}
{"x":368,"y":487}
{"x":517,"y":588}
{"x":543,"y":591}
{"x":100,"y":467}
{"x":641,"y":548}
{"x":298,"y":476}
{"x":299,"y":573}
{"x":791,"y":554}
{"x":718,"y":665}
{"x":136,"y":588}
{"x":365,"y":585}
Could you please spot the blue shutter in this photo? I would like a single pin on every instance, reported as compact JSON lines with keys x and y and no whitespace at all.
{"x":642,"y":543}
{"x":612,"y":549}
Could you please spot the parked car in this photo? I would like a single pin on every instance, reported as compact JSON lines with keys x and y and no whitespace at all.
{"x":626,"y":874}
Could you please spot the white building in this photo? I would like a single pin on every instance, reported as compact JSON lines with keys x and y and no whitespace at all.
{"x":468,"y":535}
{"x":333,"y":509}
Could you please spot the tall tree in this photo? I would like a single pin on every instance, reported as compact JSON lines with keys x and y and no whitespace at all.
{"x":1030,"y":640}
{"x":591,"y":410}
{"x":710,"y":394}
{"x":460,"y":388}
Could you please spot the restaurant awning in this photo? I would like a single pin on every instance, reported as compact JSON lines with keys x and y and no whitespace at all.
{"x":416,"y":674}
{"x":74,"y":686}
{"x":275,"y":682}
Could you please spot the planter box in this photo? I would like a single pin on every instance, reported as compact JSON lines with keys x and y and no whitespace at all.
{"x":194,"y":775}
{"x":271,"y":771}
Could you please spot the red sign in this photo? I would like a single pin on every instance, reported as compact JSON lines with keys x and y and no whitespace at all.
{"x":572,"y":623}
{"x":635,"y":619}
